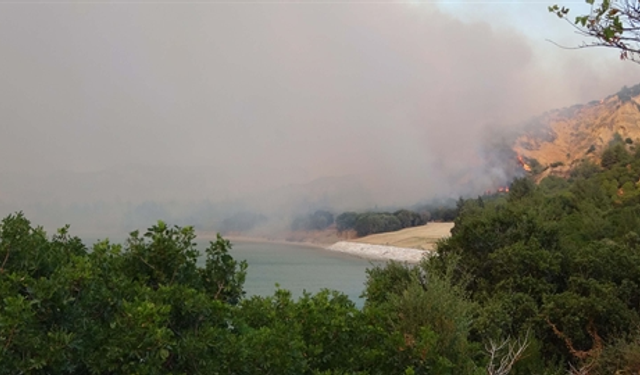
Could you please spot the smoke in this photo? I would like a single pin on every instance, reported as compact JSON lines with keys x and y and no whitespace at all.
{"x":112,"y":114}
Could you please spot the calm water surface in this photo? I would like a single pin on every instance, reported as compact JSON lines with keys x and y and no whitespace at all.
{"x":294,"y":267}
{"x":298,"y":268}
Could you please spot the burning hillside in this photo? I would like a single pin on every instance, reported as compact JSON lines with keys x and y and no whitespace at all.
{"x":560,"y":139}
{"x":524,"y":165}
{"x":500,"y":165}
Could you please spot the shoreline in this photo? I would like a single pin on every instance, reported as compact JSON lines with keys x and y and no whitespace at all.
{"x":351,"y":248}
{"x":380,"y":252}
{"x":232,"y":239}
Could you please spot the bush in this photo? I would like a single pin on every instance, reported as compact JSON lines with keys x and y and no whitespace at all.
{"x":371,"y":223}
{"x":150,"y":307}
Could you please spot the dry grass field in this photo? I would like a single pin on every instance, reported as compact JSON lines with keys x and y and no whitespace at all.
{"x":422,"y":238}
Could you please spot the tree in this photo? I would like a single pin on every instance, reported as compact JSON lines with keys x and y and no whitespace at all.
{"x":610,"y":23}
{"x":409,"y":219}
{"x":346,"y":221}
{"x":155,"y":305}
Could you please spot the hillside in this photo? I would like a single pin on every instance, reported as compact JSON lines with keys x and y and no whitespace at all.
{"x":560,"y":139}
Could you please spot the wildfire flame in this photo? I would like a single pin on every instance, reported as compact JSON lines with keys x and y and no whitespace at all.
{"x":523,"y":164}
{"x":501,"y":189}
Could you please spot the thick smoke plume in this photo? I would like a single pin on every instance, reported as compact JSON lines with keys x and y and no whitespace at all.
{"x":115,"y":115}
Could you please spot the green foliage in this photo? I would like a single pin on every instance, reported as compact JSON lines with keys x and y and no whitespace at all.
{"x":124,"y":310}
{"x":371,"y":223}
{"x":378,"y":222}
{"x":616,"y":154}
{"x":617,"y":138}
{"x":155,"y":305}
{"x":559,"y":258}
{"x":585,"y":169}
{"x":553,"y":184}
{"x":428,"y":315}
{"x":409,"y":219}
{"x":610,"y":24}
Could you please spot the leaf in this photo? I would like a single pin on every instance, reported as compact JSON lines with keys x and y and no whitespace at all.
{"x":164,"y":354}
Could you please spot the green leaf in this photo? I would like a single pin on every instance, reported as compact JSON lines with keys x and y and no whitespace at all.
{"x":164,"y":354}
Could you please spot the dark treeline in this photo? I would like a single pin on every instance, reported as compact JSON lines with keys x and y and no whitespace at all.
{"x":366,"y":223}
{"x":441,"y":210}
{"x":378,"y":222}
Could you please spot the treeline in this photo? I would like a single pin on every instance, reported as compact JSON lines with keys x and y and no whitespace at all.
{"x":379,"y":222}
{"x":443,"y":210}
{"x":365,"y":223}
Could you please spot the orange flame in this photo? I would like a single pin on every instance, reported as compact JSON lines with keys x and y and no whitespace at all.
{"x":523,"y":164}
{"x":499,"y":190}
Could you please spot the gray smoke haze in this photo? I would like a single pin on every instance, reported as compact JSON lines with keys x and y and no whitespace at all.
{"x":112,"y":114}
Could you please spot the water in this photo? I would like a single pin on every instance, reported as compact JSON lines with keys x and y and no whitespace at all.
{"x":298,"y":268}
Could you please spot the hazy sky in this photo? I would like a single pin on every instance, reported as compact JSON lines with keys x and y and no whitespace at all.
{"x":260,"y":94}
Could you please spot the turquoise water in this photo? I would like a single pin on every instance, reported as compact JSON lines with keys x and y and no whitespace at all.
{"x":298,"y":268}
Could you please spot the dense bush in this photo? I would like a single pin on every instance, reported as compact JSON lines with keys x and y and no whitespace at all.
{"x":559,"y":259}
{"x":151,"y":307}
{"x":410,"y":219}
{"x":371,"y":223}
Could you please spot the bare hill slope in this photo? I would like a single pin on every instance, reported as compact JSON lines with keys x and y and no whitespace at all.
{"x":560,"y":139}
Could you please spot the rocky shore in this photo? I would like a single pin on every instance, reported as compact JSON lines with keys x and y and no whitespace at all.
{"x":379,"y":252}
